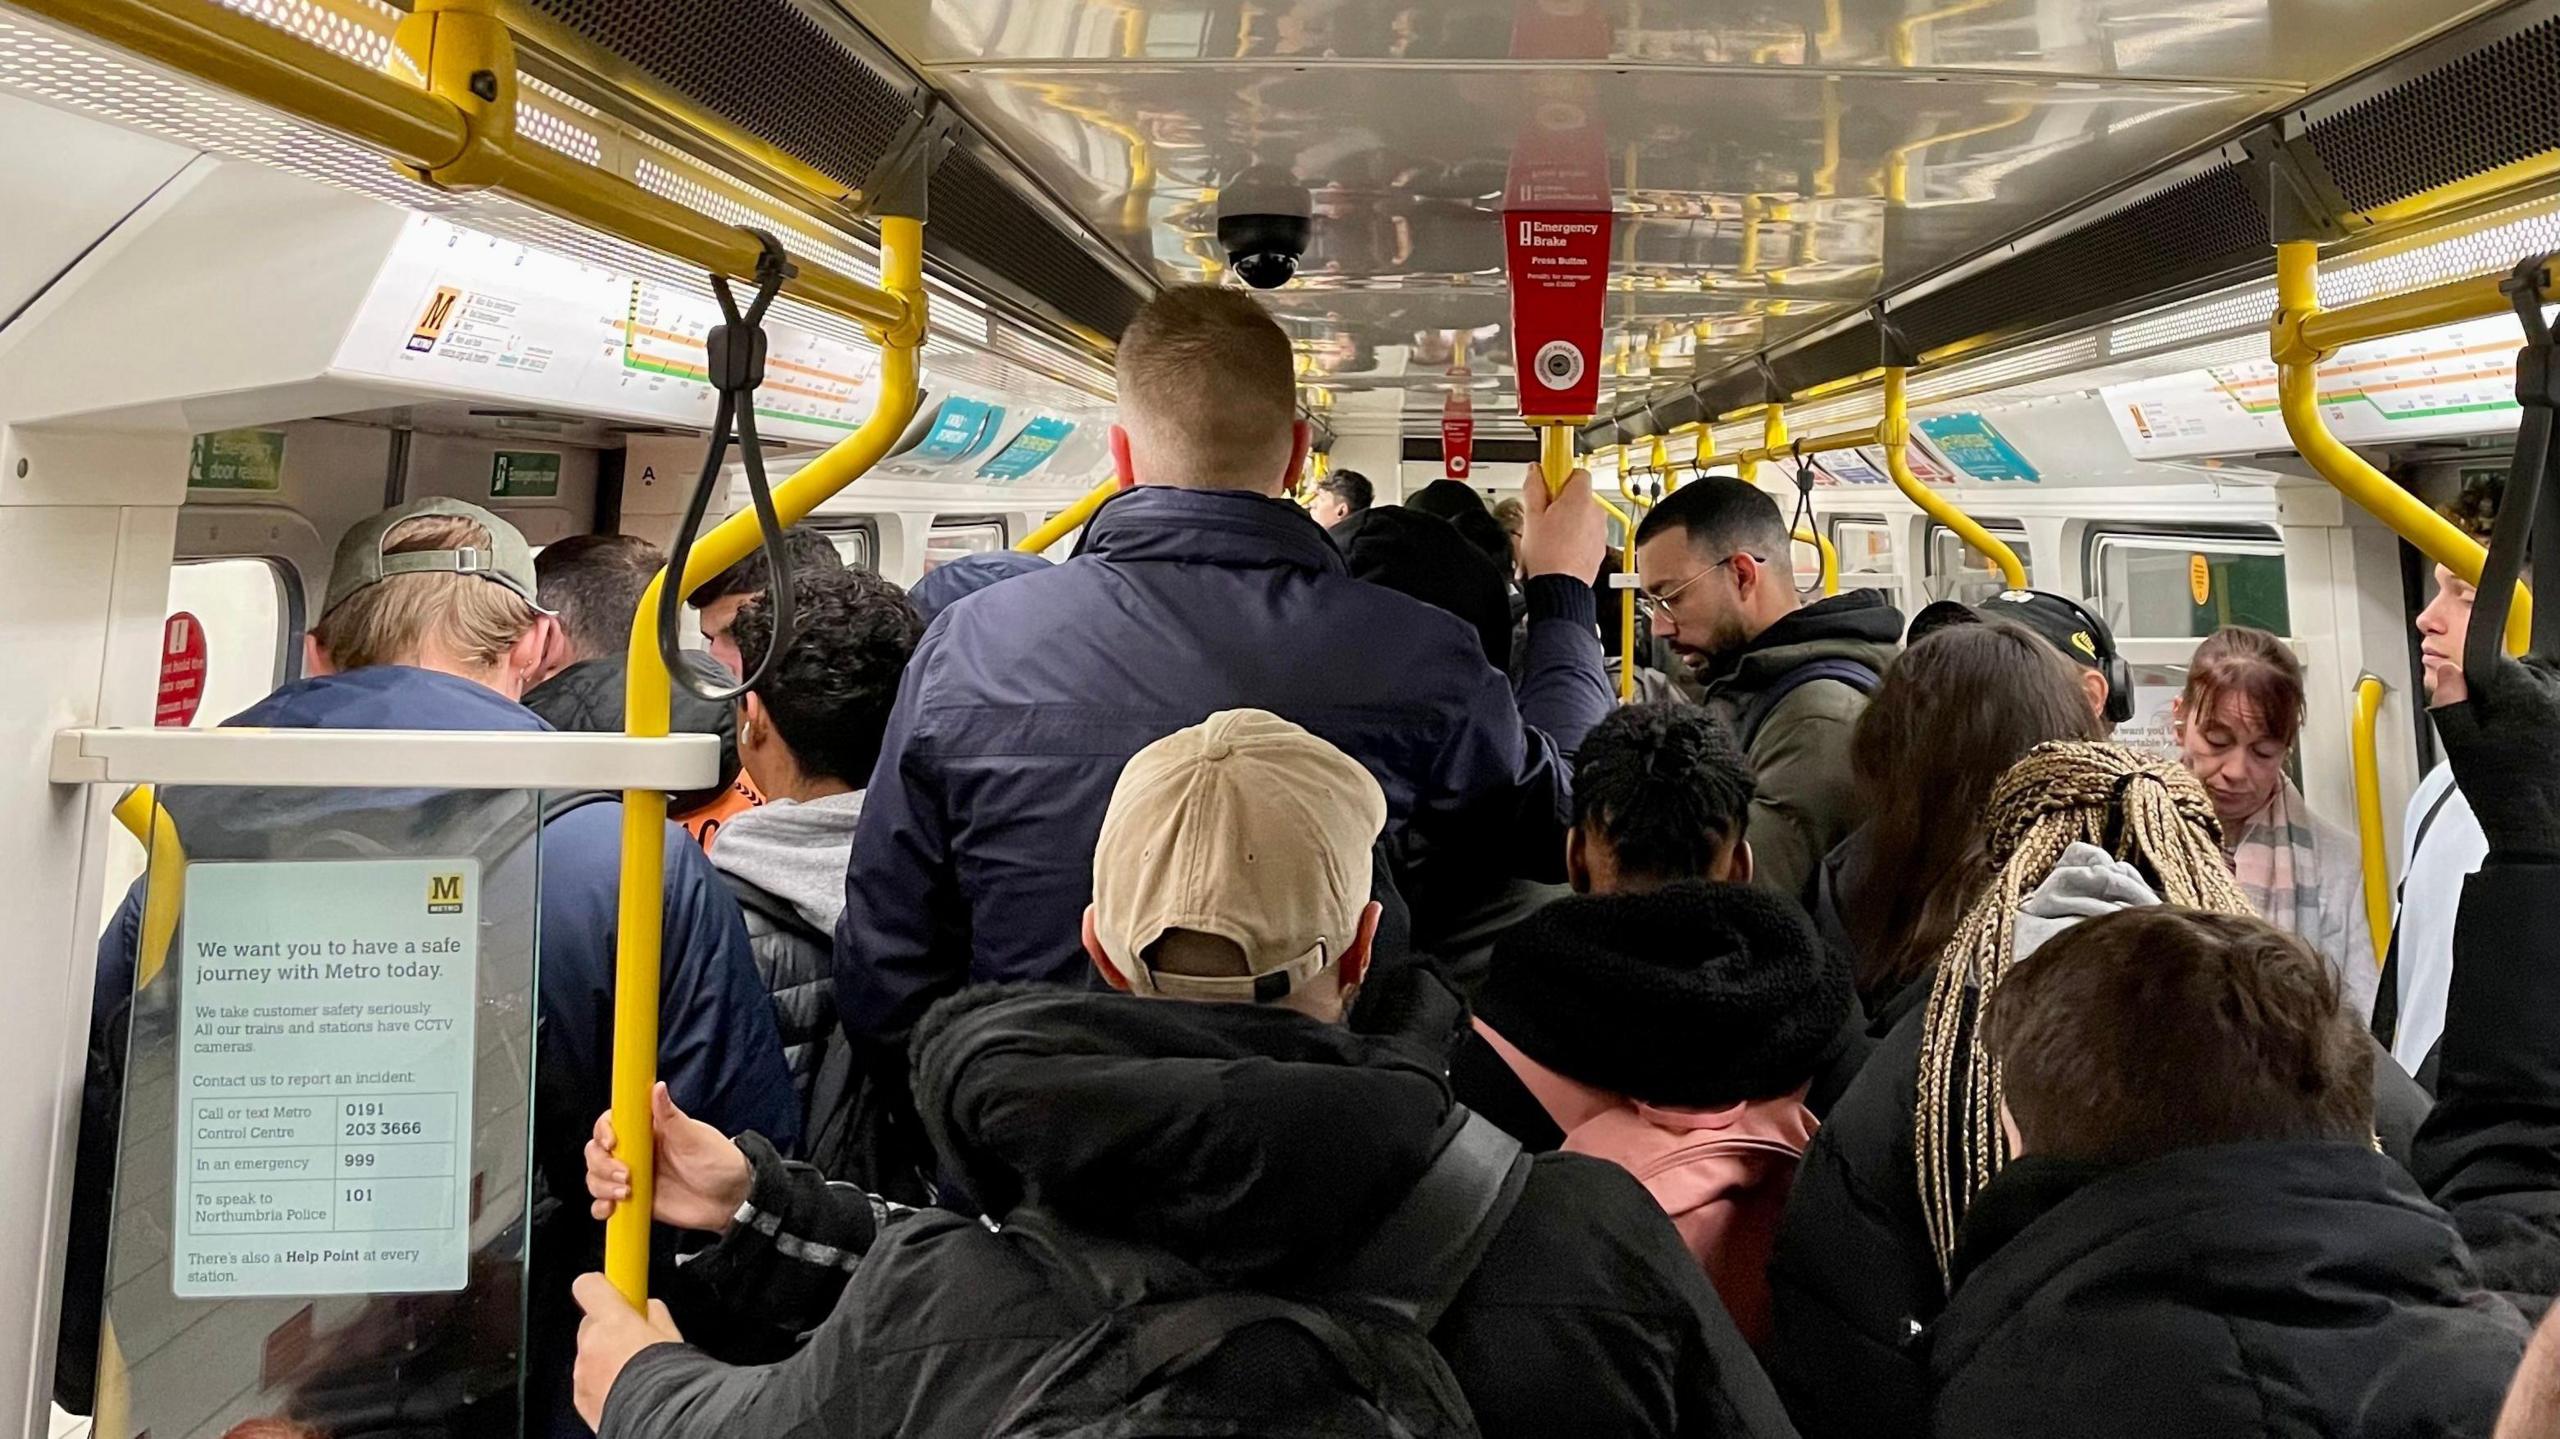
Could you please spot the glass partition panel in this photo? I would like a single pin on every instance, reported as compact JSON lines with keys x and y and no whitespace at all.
{"x":2166,"y":587}
{"x":322,"y":1194}
{"x":1958,"y":571}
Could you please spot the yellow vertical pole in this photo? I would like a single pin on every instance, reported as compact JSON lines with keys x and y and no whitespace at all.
{"x":1626,"y":603}
{"x":639,"y":919}
{"x":2368,"y":771}
{"x":1555,"y":453}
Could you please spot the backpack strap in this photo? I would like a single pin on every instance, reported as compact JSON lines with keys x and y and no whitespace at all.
{"x":1428,"y":1247}
{"x":1856,"y":674}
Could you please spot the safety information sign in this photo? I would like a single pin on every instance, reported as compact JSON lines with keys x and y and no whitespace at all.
{"x":1028,"y":450}
{"x":324,"y":1078}
{"x":1559,"y":268}
{"x":1971,"y":444}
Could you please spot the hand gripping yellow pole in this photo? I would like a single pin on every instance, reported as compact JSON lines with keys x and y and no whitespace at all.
{"x":2297,"y":341}
{"x":1555,"y":452}
{"x":1894,"y":433}
{"x":2368,"y":768}
{"x":645,"y":704}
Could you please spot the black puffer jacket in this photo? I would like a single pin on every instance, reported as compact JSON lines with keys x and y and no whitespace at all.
{"x":1253,"y":1143}
{"x":1853,"y":1281}
{"x":794,"y":960}
{"x":586,"y":698}
{"x":2285,"y":1289}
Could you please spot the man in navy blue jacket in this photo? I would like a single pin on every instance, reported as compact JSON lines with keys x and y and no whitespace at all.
{"x":409,"y":637}
{"x":1196,"y":590}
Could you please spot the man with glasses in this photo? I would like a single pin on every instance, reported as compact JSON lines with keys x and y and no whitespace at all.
{"x":1791,"y":678}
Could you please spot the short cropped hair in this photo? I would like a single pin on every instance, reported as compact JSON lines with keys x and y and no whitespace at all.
{"x":2156,"y":1030}
{"x":1665,"y":785}
{"x":808,"y":550}
{"x":829,"y":695}
{"x":1208,"y":385}
{"x":391,"y":622}
{"x":1723,"y":514}
{"x":1352,"y":488}
{"x":594,"y":584}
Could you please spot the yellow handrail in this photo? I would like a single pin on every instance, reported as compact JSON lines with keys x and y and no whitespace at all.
{"x":645,"y":706}
{"x":1626,"y":603}
{"x":1830,"y":558}
{"x":163,"y":876}
{"x":2303,"y":334}
{"x":1773,"y":441}
{"x":1555,"y":452}
{"x":1067,"y":521}
{"x":1894,"y":433}
{"x":437,"y":140}
{"x":2368,"y":769}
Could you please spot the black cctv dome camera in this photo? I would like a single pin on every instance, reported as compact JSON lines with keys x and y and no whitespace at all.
{"x":1263,"y":226}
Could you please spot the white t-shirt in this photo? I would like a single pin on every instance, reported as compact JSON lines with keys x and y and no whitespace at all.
{"x":2443,"y":852}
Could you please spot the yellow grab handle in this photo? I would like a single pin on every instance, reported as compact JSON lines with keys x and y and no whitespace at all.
{"x":1626,"y":605}
{"x":2368,"y":770}
{"x":638,"y":953}
{"x":1894,"y":433}
{"x":1067,"y":521}
{"x":1830,"y":559}
{"x":2298,"y":395}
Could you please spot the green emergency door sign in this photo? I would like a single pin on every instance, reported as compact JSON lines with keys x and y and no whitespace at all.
{"x":525,"y":475}
{"x":237,"y":460}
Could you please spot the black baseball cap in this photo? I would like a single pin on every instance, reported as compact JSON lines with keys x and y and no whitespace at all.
{"x":2068,"y":627}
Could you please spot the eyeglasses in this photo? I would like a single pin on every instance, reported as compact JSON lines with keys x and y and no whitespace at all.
{"x":1649,"y":605}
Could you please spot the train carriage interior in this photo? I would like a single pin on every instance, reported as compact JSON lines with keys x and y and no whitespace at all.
{"x":2191,"y":313}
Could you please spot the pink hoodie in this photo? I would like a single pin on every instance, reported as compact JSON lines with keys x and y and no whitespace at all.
{"x":1721,"y":1174}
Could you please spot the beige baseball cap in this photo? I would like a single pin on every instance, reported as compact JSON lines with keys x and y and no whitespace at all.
{"x":1243,"y":826}
{"x":360,"y":563}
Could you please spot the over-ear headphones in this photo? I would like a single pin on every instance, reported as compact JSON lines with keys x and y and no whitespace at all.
{"x":2110,"y":663}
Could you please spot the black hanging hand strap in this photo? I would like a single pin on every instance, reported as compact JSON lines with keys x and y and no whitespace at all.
{"x":2524,"y":522}
{"x":1802,"y":521}
{"x":735,"y":366}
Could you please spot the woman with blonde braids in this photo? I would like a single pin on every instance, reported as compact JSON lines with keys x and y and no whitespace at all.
{"x":2074,"y":830}
{"x":2072,"y":823}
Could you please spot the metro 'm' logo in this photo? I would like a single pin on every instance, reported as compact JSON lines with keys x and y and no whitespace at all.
{"x":430,"y":326}
{"x":444,"y":894}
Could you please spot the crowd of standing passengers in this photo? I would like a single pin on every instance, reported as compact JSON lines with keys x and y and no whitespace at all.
{"x":1253,"y":977}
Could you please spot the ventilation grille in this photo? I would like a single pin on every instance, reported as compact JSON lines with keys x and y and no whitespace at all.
{"x":2198,"y":229}
{"x":823,"y":106}
{"x":772,"y":71}
{"x":977,"y":218}
{"x":2495,"y":106}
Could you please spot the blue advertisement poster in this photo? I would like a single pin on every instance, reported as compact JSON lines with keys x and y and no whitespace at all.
{"x":1969,"y":441}
{"x":962,"y":428}
{"x":1029,"y":449}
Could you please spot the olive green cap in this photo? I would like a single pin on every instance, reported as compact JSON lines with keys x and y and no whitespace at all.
{"x":360,"y":563}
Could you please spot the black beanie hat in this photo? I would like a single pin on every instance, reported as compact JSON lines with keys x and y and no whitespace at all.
{"x":1693,"y":996}
{"x":1426,"y":557}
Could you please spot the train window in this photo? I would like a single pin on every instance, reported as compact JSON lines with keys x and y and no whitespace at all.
{"x":2154,"y":586}
{"x":950,"y":539}
{"x":249,"y":615}
{"x":1958,"y":571}
{"x":853,"y":546}
{"x":1867,"y":560}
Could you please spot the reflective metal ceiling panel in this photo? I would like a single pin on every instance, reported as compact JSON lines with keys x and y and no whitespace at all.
{"x":2300,"y":43}
{"x":1774,"y":165}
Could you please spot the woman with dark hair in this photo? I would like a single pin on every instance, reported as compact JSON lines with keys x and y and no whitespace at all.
{"x":2237,"y":722}
{"x":1954,"y":712}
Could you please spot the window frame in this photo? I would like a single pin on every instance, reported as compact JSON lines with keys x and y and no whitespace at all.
{"x":290,"y":618}
{"x":2012,"y":533}
{"x":942,"y":523}
{"x":866,"y":531}
{"x":2185,"y":539}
